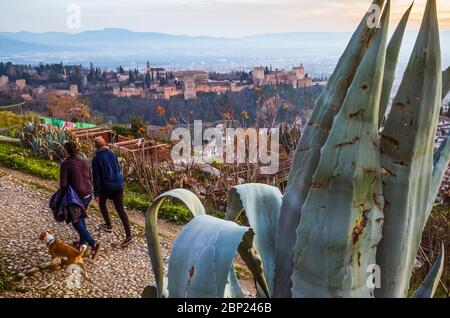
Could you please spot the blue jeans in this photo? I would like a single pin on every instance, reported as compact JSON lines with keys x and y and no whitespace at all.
{"x":81,"y":228}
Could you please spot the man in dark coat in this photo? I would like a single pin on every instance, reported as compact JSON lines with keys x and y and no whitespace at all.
{"x":75,"y":172}
{"x":108,"y":185}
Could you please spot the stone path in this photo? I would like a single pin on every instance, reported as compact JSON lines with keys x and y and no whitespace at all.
{"x":116,"y":272}
{"x":23,"y":213}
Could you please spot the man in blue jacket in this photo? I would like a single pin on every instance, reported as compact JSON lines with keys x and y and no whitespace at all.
{"x":108,"y":185}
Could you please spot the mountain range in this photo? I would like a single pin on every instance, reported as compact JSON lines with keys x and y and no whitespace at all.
{"x":111,"y":47}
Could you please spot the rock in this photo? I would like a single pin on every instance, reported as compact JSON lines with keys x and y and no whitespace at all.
{"x":32,"y":270}
{"x":56,"y":262}
{"x":45,"y":265}
{"x":21,"y":276}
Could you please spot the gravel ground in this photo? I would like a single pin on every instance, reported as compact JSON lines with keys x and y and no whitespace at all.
{"x":115,"y":273}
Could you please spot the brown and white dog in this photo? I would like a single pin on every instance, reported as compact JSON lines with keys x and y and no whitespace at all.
{"x":59,"y":249}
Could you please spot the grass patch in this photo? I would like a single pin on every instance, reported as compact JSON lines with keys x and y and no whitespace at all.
{"x":38,"y":186}
{"x":442,"y":209}
{"x":18,"y":158}
{"x":11,"y":123}
{"x":172,"y":210}
{"x":135,"y":198}
{"x":5,"y":283}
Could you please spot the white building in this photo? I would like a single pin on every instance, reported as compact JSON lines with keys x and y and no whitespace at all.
{"x":4,"y":80}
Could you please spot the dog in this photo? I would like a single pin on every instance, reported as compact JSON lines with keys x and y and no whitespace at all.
{"x":59,"y":249}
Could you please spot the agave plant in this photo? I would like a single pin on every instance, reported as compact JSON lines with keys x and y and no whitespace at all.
{"x":46,"y":142}
{"x":362,"y":186}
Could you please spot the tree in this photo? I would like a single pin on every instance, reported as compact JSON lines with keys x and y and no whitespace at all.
{"x":104,"y":78}
{"x":131,"y":77}
{"x":148,"y":79}
{"x":2,"y":69}
{"x":68,"y":108}
{"x":138,"y":127}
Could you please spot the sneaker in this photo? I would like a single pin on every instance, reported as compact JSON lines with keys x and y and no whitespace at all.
{"x":94,"y":250}
{"x":126,"y":242}
{"x":106,"y":228}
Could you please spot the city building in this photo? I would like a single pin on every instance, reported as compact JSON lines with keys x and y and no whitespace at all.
{"x":197,"y":75}
{"x":158,"y":74}
{"x":297,"y":78}
{"x":129,"y":91}
{"x":190,"y":91}
{"x":171,"y":90}
{"x":73,"y":90}
{"x":21,"y":84}
{"x":123,"y":77}
{"x":258,"y":75}
{"x":4,"y":80}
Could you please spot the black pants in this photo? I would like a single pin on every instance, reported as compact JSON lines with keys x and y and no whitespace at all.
{"x":117,"y":198}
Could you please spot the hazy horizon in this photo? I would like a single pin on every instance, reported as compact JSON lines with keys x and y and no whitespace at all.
{"x":217,"y":18}
{"x":223,"y":35}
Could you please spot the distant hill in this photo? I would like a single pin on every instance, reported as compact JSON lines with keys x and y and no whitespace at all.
{"x":12,"y":46}
{"x":110,"y":47}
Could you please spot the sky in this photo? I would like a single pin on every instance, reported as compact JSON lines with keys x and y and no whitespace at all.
{"x":229,"y":18}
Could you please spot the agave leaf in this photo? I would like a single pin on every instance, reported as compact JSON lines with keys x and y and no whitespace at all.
{"x":429,"y":286}
{"x":441,"y":163}
{"x":261,"y":204}
{"x":233,"y":288}
{"x":9,"y":140}
{"x":392,"y":54}
{"x":151,"y":230}
{"x":308,"y":152}
{"x":445,"y":82}
{"x":202,"y":258}
{"x":342,"y":217}
{"x":407,"y":145}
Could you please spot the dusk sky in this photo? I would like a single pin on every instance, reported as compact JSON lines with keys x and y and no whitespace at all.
{"x":202,"y":17}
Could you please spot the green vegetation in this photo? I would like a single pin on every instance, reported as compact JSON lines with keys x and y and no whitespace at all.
{"x":122,"y":130}
{"x":138,"y":128}
{"x":5,"y":284}
{"x":136,"y":198}
{"x":19,"y":158}
{"x":11,"y":124}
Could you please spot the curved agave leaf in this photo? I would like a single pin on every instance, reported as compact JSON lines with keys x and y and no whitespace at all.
{"x":429,"y":286}
{"x":261,"y":204}
{"x":441,"y":157}
{"x":233,"y":288}
{"x":342,"y":217}
{"x":407,"y":144}
{"x":392,"y":54}
{"x":9,"y":140}
{"x":308,"y":153}
{"x":441,"y":163}
{"x":151,"y":230}
{"x":445,"y":82}
{"x":202,"y":258}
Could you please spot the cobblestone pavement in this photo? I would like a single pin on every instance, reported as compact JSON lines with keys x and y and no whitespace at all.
{"x":24,"y":213}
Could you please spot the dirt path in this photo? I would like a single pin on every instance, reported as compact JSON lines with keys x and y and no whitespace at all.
{"x":116,"y":272}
